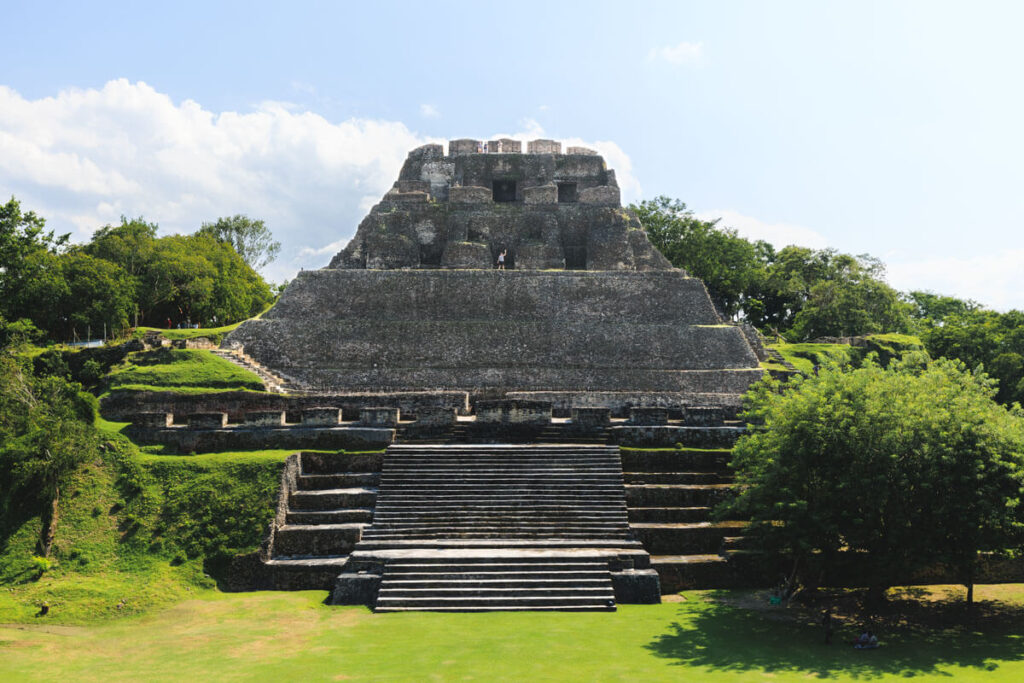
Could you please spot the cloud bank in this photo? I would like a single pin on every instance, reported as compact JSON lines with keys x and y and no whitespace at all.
{"x":85,"y":157}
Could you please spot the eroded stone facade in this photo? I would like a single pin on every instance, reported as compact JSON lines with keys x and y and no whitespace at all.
{"x":545,"y":209}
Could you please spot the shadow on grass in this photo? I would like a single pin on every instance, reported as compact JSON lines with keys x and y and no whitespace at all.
{"x":724,"y":638}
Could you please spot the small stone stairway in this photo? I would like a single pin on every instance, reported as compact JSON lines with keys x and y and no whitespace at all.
{"x":670,"y":497}
{"x":486,"y":584}
{"x":324,"y":503}
{"x":499,"y":527}
{"x":273,"y":383}
{"x":776,"y":357}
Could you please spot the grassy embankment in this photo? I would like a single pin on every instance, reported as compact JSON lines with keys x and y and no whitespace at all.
{"x":138,"y":530}
{"x":181,"y":370}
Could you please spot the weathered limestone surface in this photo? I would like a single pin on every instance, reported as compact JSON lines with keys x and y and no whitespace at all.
{"x":338,"y":330}
{"x":585,"y":306}
{"x":565,"y":206}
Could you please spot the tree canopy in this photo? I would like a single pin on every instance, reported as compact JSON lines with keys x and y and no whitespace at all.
{"x":124,"y":274}
{"x":798,"y":292}
{"x":250,"y":238}
{"x":830,"y":465}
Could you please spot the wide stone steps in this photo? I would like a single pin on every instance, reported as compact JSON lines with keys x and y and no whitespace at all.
{"x":340,"y":516}
{"x":481,"y":585}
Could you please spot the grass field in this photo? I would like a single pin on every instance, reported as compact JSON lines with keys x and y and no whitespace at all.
{"x":182,"y":370}
{"x":708,"y":636}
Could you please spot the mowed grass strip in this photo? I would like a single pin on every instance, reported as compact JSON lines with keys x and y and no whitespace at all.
{"x":709,"y":636}
{"x":181,"y":370}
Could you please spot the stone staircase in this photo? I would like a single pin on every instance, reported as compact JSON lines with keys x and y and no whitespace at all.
{"x":498,"y":527}
{"x":670,"y":495}
{"x":324,"y":503}
{"x":273,"y":383}
{"x":505,"y":583}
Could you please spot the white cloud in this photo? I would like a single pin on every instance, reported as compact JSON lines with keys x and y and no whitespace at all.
{"x":777,"y":234}
{"x":996,"y":281}
{"x":678,"y":55}
{"x":83,"y":158}
{"x":429,"y":111}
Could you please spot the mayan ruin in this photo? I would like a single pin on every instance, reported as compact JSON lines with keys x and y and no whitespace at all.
{"x":501,"y":324}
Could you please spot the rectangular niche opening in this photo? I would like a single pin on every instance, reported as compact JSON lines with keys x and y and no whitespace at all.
{"x":566,"y":193}
{"x":575,"y":257}
{"x":504,"y":190}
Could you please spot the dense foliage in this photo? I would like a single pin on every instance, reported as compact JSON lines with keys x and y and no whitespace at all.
{"x":250,"y":238}
{"x":798,"y":292}
{"x":913,"y":463}
{"x":124,"y":275}
{"x":46,"y":432}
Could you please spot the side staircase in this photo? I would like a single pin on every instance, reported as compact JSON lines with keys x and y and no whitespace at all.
{"x":274,"y":383}
{"x":324,"y":502}
{"x":498,"y":527}
{"x":670,"y":495}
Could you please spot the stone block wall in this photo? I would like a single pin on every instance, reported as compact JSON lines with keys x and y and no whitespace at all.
{"x":543,"y":147}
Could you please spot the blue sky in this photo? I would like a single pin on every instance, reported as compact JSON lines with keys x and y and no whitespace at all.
{"x":893,"y":128}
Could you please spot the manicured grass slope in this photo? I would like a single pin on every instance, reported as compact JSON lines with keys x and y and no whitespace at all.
{"x":138,"y":532}
{"x":214,"y":334}
{"x":293,"y":636}
{"x":182,"y":370}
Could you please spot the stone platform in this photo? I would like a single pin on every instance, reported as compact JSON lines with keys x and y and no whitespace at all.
{"x":494,"y":332}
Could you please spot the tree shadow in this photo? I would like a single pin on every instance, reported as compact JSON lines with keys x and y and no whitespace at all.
{"x":722,"y":637}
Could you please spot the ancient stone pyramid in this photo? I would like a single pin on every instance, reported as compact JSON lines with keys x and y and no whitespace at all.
{"x":585,"y":313}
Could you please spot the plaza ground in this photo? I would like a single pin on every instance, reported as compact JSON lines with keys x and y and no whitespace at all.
{"x":700,"y":636}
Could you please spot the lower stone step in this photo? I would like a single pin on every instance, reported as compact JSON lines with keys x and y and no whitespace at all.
{"x":554,"y":606}
{"x":341,"y":516}
{"x":665,"y":538}
{"x":300,"y":573}
{"x":317,"y":539}
{"x":333,"y":499}
{"x":669,"y":514}
{"x":672,"y":495}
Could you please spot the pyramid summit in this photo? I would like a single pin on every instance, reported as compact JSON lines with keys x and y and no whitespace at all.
{"x":582,"y":312}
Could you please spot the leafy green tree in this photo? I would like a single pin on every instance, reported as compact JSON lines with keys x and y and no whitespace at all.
{"x":903,"y":466}
{"x":251,"y":238}
{"x":30,"y":278}
{"x":46,"y":433}
{"x":979,"y":337}
{"x":851,"y":307}
{"x":729,"y":265}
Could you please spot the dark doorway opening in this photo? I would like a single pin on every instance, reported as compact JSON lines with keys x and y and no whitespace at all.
{"x":566,"y":193}
{"x":575,"y":258}
{"x":504,"y":190}
{"x":430,"y":256}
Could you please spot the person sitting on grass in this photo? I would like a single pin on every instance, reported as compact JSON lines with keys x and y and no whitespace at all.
{"x":866,"y":641}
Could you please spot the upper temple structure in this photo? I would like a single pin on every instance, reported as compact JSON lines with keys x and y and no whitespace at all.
{"x":545,"y":209}
{"x":585,"y":313}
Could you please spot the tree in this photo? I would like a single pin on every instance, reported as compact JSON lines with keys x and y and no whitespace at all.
{"x":903,"y":466}
{"x":854,"y":306}
{"x":729,"y":265}
{"x":28,"y":268}
{"x":251,"y":238}
{"x":981,"y":338}
{"x":45,"y":434}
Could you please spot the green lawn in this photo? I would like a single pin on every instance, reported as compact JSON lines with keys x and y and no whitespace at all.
{"x":294,"y":636}
{"x":213,"y":333}
{"x":182,"y":370}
